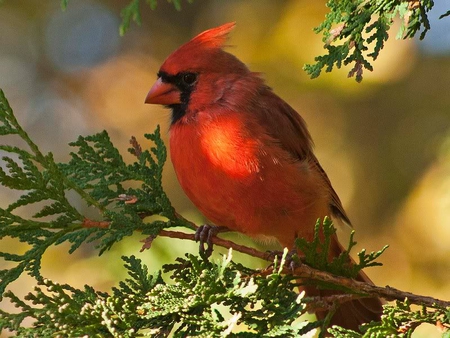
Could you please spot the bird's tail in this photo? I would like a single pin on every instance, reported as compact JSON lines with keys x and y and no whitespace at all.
{"x":350,"y":314}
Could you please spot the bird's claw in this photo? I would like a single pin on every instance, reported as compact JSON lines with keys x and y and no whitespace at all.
{"x":291,"y":260}
{"x":204,"y":235}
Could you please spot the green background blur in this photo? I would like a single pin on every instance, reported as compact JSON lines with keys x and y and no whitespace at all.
{"x":385,"y":143}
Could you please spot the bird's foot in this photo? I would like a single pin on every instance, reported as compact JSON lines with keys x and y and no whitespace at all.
{"x":291,"y":260}
{"x":204,"y":235}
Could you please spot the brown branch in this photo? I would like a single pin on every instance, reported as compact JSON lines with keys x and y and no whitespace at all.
{"x":217,"y":241}
{"x":306,"y":272}
{"x":387,"y":292}
{"x":136,"y":149}
{"x":88,"y":223}
{"x":303,"y":271}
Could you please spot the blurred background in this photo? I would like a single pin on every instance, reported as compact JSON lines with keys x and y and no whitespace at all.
{"x":385,"y":143}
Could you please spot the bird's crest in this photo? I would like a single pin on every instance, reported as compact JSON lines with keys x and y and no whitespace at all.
{"x":214,"y":37}
{"x":203,"y":52}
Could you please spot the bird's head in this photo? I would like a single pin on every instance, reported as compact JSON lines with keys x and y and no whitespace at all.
{"x":195,"y":69}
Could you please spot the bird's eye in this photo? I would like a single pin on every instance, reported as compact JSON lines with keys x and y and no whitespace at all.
{"x":189,"y":78}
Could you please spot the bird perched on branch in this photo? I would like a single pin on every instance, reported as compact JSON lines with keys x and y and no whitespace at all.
{"x":245,"y":157}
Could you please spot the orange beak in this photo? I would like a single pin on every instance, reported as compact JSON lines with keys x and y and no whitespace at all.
{"x":163,"y":93}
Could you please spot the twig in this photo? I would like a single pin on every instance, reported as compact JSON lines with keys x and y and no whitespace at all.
{"x":220,"y":242}
{"x":304,"y":271}
{"x":88,"y":223}
{"x":307,"y":272}
{"x":387,"y":292}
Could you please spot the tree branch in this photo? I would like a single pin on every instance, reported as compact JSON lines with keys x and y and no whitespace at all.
{"x":303,"y":271}
{"x":306,"y":272}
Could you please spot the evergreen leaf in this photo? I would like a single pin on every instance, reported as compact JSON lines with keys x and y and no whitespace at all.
{"x":348,"y":22}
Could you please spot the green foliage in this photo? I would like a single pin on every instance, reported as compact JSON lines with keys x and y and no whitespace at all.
{"x":132,"y":12}
{"x":204,"y":299}
{"x":357,"y":23}
{"x":317,"y":252}
{"x":64,"y":4}
{"x":445,"y":14}
{"x":97,"y":174}
{"x":64,"y":310}
{"x":399,"y":320}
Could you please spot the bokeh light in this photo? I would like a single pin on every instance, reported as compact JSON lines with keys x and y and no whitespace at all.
{"x":81,"y":37}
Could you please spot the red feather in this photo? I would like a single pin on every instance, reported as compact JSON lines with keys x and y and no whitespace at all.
{"x":205,"y":46}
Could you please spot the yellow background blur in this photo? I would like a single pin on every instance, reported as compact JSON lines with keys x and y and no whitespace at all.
{"x":385,"y":143}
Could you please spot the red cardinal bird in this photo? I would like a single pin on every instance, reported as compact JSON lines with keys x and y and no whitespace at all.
{"x":244,"y":156}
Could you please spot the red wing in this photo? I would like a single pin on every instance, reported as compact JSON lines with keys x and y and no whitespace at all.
{"x":335,"y":204}
{"x":290,"y":129}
